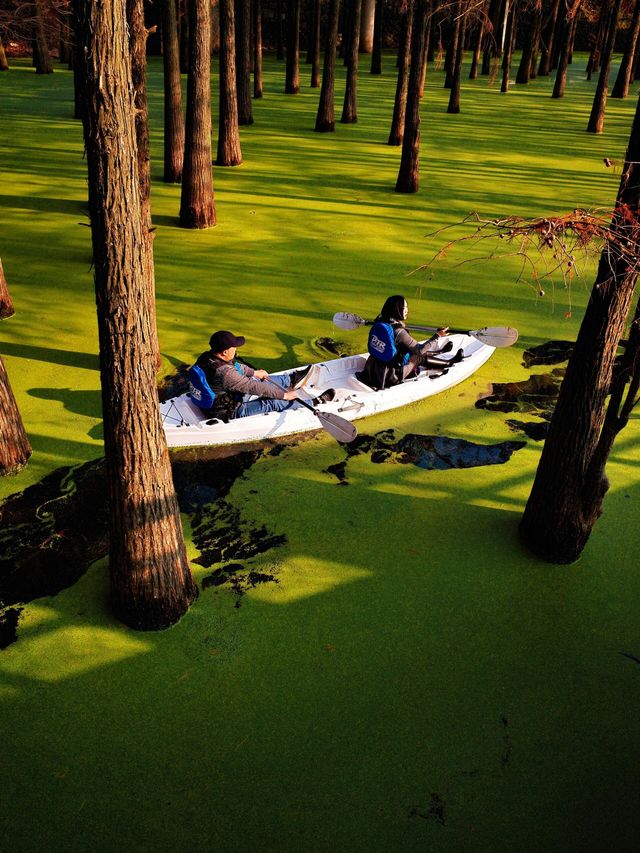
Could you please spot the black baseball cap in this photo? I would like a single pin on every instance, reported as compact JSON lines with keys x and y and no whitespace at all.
{"x":220,"y":341}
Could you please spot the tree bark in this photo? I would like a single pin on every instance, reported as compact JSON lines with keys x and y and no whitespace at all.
{"x":257,"y":49}
{"x":400,"y":104}
{"x":292,"y":72}
{"x":549,"y":37}
{"x":350,"y":105}
{"x":376,"y":52}
{"x":367,"y":25}
{"x":15,"y":449}
{"x":243,"y":61}
{"x":4,"y":65}
{"x":197,"y":208}
{"x":508,"y":49}
{"x":279,"y":31}
{"x":409,"y":171}
{"x":621,"y":86}
{"x":593,"y":63}
{"x":452,"y":46}
{"x":151,"y":584}
{"x":41,"y":55}
{"x":183,"y":33}
{"x":325,"y":119}
{"x":568,"y":29}
{"x":473,"y":71}
{"x":229,"y":152}
{"x":530,"y":29}
{"x":491,"y":36}
{"x":6,"y":304}
{"x":569,"y":487}
{"x":173,"y":116}
{"x":138,"y":48}
{"x":456,"y":76}
{"x":596,"y":119}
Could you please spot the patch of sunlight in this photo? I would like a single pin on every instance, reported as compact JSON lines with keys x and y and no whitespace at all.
{"x":306,"y":577}
{"x":68,"y":652}
{"x":36,"y":615}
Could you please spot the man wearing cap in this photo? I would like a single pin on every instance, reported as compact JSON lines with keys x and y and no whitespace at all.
{"x":234,"y":383}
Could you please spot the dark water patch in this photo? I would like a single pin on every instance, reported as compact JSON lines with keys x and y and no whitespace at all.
{"x":339,"y":348}
{"x":537,"y":430}
{"x":431,"y":452}
{"x":551,"y":352}
{"x":9,"y":618}
{"x":535,"y":396}
{"x":434,"y":811}
{"x":53,"y":531}
{"x":174,"y":384}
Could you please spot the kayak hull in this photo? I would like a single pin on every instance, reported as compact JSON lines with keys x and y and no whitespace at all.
{"x":186,"y":425}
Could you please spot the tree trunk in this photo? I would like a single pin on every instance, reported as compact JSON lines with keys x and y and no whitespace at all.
{"x":621,"y":86}
{"x":279,"y":31}
{"x":173,"y":116}
{"x":197,"y":208}
{"x":425,"y":50}
{"x":151,"y":584}
{"x":325,"y":119}
{"x":65,"y":52}
{"x":376,"y":53}
{"x":491,"y":36}
{"x":452,"y":46}
{"x":15,"y":449}
{"x":183,"y":32}
{"x":473,"y":71}
{"x":568,"y":29}
{"x":292,"y":72}
{"x":350,"y":105}
{"x":537,"y":35}
{"x":400,"y":105}
{"x":408,"y":174}
{"x":257,"y":49}
{"x":4,"y":65}
{"x":569,"y":486}
{"x":138,"y":48}
{"x":549,"y":37}
{"x":41,"y":55}
{"x":229,"y":152}
{"x":454,"y":97}
{"x":529,"y":30}
{"x":6,"y":304}
{"x":596,"y":119}
{"x":367,"y":25}
{"x":243,"y":61}
{"x":593,"y":63}
{"x":508,"y":46}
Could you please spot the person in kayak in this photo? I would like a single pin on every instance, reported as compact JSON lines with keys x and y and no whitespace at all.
{"x":393,"y":354}
{"x":238,"y":390}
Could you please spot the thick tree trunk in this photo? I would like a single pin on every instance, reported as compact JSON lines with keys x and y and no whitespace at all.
{"x":350,"y":105}
{"x":491,"y":36}
{"x":376,"y":53}
{"x":568,"y":29}
{"x":549,"y":37}
{"x":475,"y":60}
{"x":408,"y":174}
{"x":197,"y":209}
{"x":454,"y":97}
{"x":4,"y":65}
{"x":621,"y":86}
{"x":400,"y":105}
{"x":151,"y":584}
{"x":367,"y":25}
{"x":279,"y":31}
{"x":41,"y":55}
{"x":512,"y":23}
{"x":257,"y":48}
{"x":530,"y":31}
{"x":596,"y":119}
{"x":6,"y":304}
{"x":15,"y":449}
{"x":243,"y":61}
{"x":183,"y":32}
{"x":229,"y":152}
{"x":325,"y":119}
{"x":292,"y":72}
{"x":569,"y":486}
{"x":173,"y":116}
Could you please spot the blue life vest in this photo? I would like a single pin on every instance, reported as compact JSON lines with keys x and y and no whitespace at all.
{"x":200,"y":392}
{"x":382,"y":344}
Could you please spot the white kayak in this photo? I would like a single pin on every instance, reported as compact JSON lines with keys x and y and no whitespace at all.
{"x":186,"y":425}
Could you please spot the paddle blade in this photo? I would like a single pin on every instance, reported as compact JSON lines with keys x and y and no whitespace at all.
{"x":348,"y":322}
{"x":340,"y":428}
{"x":496,"y":336}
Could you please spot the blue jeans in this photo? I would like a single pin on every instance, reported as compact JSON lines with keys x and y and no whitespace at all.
{"x":266,"y":404}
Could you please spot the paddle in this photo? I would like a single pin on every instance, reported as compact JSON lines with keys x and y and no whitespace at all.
{"x":493,"y":336}
{"x":340,"y":428}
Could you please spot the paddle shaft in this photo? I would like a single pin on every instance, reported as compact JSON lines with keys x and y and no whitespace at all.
{"x":426,"y":328}
{"x":340,"y":428}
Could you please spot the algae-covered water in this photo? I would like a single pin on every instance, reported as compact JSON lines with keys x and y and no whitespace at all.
{"x":373,"y":662}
